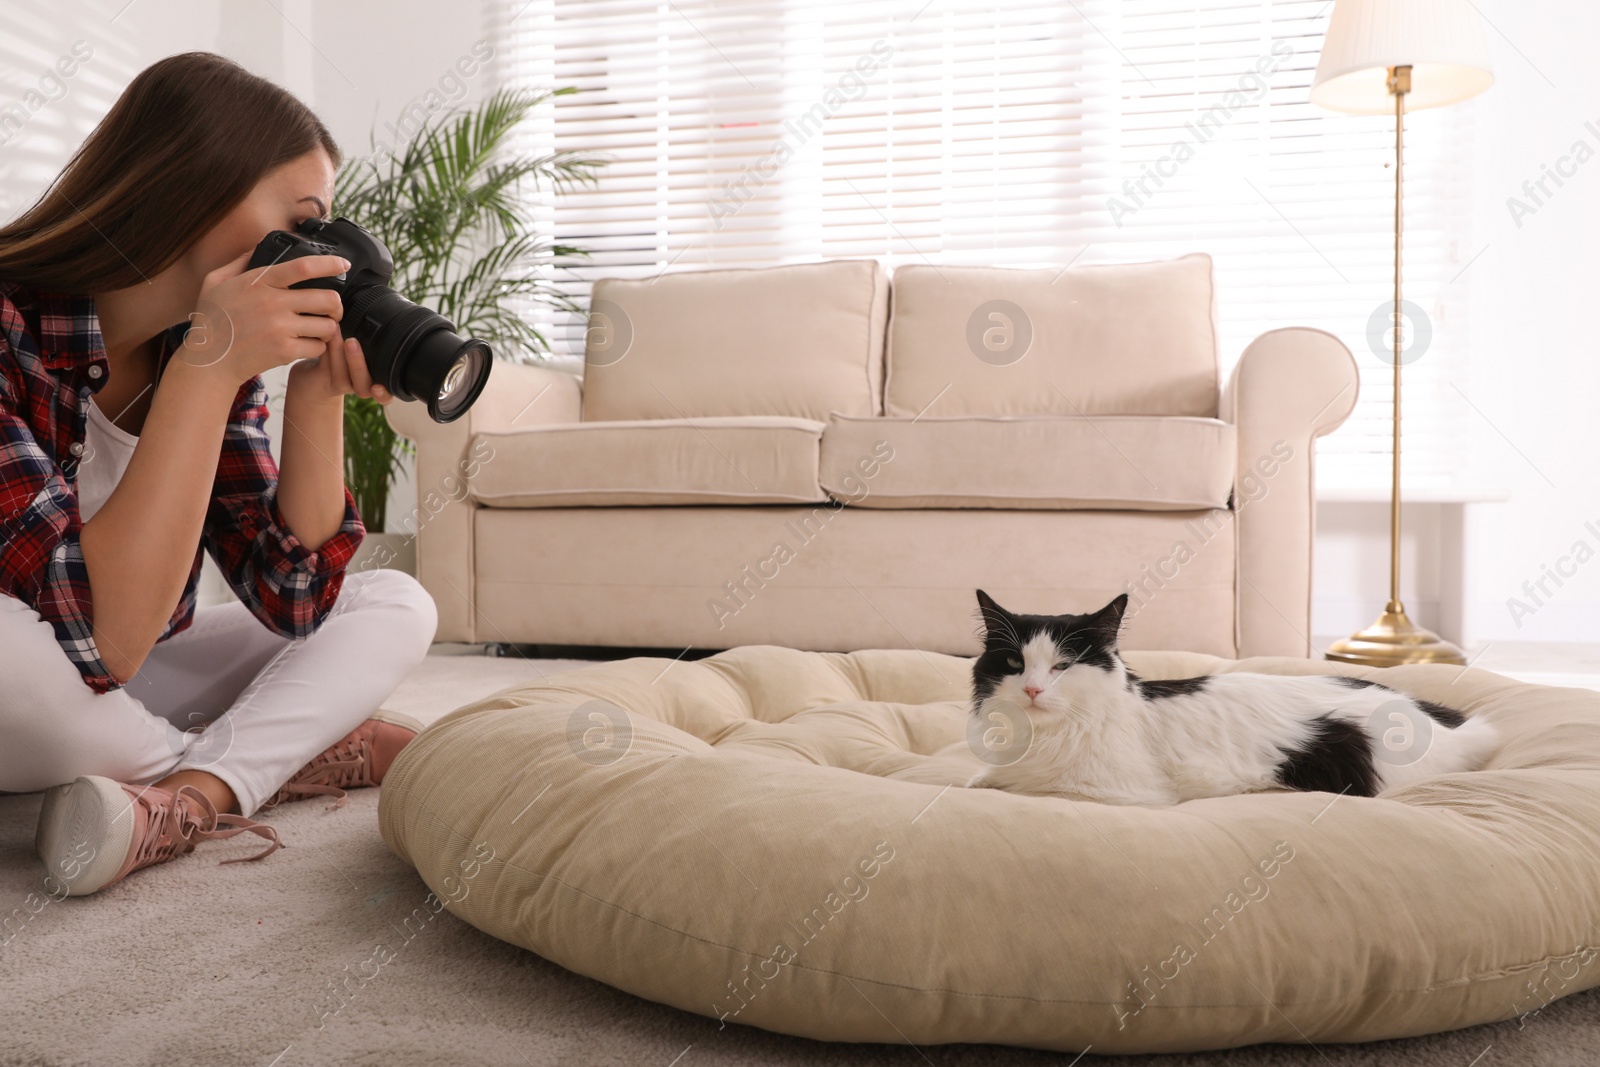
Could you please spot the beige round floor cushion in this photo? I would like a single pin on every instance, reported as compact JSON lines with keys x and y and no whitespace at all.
{"x":741,"y":837}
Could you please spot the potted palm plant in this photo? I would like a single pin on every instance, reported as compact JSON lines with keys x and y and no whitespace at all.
{"x":450,"y":204}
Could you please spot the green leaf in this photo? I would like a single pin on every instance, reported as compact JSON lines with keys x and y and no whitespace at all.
{"x":452,"y":206}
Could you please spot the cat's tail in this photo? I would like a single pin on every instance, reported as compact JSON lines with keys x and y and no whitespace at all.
{"x":1466,"y":747}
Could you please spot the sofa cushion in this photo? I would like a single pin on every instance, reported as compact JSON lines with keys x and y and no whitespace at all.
{"x":1134,"y":462}
{"x":799,"y":341}
{"x":748,"y":460}
{"x":1126,"y":339}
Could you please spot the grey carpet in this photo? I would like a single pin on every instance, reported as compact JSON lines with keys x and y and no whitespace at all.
{"x":195,"y":963}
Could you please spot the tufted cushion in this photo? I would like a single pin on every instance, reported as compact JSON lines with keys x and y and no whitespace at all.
{"x":762,"y":837}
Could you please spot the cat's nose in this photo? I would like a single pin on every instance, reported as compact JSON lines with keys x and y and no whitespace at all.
{"x":1033,"y":691}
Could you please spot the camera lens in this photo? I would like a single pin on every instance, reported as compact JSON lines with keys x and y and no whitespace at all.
{"x":444,"y":370}
{"x":468,"y":369}
{"x":455,"y":378}
{"x":416,"y":353}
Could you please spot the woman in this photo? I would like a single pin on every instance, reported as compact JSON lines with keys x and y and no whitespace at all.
{"x":129,"y":445}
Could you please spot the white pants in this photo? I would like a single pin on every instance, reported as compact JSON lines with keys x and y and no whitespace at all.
{"x":226,"y":695}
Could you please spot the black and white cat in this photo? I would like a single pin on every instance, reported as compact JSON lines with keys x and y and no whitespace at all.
{"x":1099,"y":732}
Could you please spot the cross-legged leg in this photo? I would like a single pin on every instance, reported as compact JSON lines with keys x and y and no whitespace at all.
{"x":225,"y":707}
{"x":264,"y":705}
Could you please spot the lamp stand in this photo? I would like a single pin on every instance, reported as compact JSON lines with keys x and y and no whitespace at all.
{"x":1394,"y":638}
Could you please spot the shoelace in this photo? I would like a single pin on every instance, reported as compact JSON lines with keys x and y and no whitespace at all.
{"x":173,"y":826}
{"x":346,"y":766}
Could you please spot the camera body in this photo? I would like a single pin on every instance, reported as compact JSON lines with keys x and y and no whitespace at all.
{"x":412,"y":351}
{"x":370,"y":262}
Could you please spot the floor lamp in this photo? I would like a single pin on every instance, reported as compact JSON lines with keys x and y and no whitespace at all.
{"x":1381,"y":57}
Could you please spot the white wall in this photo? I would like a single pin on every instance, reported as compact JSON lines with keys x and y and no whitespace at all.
{"x":378,"y":63}
{"x":1530,"y":399}
{"x":1350,"y":567}
{"x":1536,"y":347}
{"x":365,"y":68}
{"x":1531,"y":402}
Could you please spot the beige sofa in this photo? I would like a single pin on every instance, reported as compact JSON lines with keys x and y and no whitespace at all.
{"x":812,"y":456}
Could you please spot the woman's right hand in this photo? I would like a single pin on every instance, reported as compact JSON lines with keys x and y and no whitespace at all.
{"x":247,"y":322}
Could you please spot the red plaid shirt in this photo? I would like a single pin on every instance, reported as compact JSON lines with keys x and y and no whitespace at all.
{"x":52,"y":358}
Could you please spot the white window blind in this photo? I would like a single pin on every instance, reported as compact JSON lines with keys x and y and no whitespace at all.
{"x":57,"y":77}
{"x":1025,"y":134}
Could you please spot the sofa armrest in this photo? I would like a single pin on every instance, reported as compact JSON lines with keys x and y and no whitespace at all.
{"x":517,"y":394}
{"x":1291,"y":386}
{"x":527,"y":394}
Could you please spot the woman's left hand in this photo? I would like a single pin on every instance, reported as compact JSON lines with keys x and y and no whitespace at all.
{"x":341,"y":369}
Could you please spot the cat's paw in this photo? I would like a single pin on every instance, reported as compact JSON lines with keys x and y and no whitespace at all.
{"x":982,"y":780}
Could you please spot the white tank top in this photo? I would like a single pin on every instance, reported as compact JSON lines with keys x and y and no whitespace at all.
{"x":106,"y":451}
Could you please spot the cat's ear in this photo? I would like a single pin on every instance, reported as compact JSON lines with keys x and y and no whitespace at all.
{"x":1108,"y":620}
{"x":1116,"y":609}
{"x":996,"y":619}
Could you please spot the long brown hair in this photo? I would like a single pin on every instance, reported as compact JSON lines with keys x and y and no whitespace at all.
{"x":185,"y":143}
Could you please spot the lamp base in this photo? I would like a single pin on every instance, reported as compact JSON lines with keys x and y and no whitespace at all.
{"x":1392,"y":640}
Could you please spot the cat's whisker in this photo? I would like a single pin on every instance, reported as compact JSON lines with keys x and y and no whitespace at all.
{"x":987,"y":629}
{"x":1011,"y":631}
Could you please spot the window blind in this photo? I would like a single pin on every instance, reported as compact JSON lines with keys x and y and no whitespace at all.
{"x":57,"y":77}
{"x":1025,"y":134}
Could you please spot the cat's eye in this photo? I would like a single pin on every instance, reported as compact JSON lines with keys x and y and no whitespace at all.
{"x":1063,"y":665}
{"x":1014,"y":663}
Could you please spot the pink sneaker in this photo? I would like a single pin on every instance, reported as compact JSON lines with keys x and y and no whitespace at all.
{"x":95,"y":831}
{"x":360,"y":758}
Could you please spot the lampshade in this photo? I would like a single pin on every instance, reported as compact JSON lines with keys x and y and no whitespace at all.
{"x":1441,"y":40}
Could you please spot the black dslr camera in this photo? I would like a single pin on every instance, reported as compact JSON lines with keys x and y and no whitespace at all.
{"x":413,"y":352}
